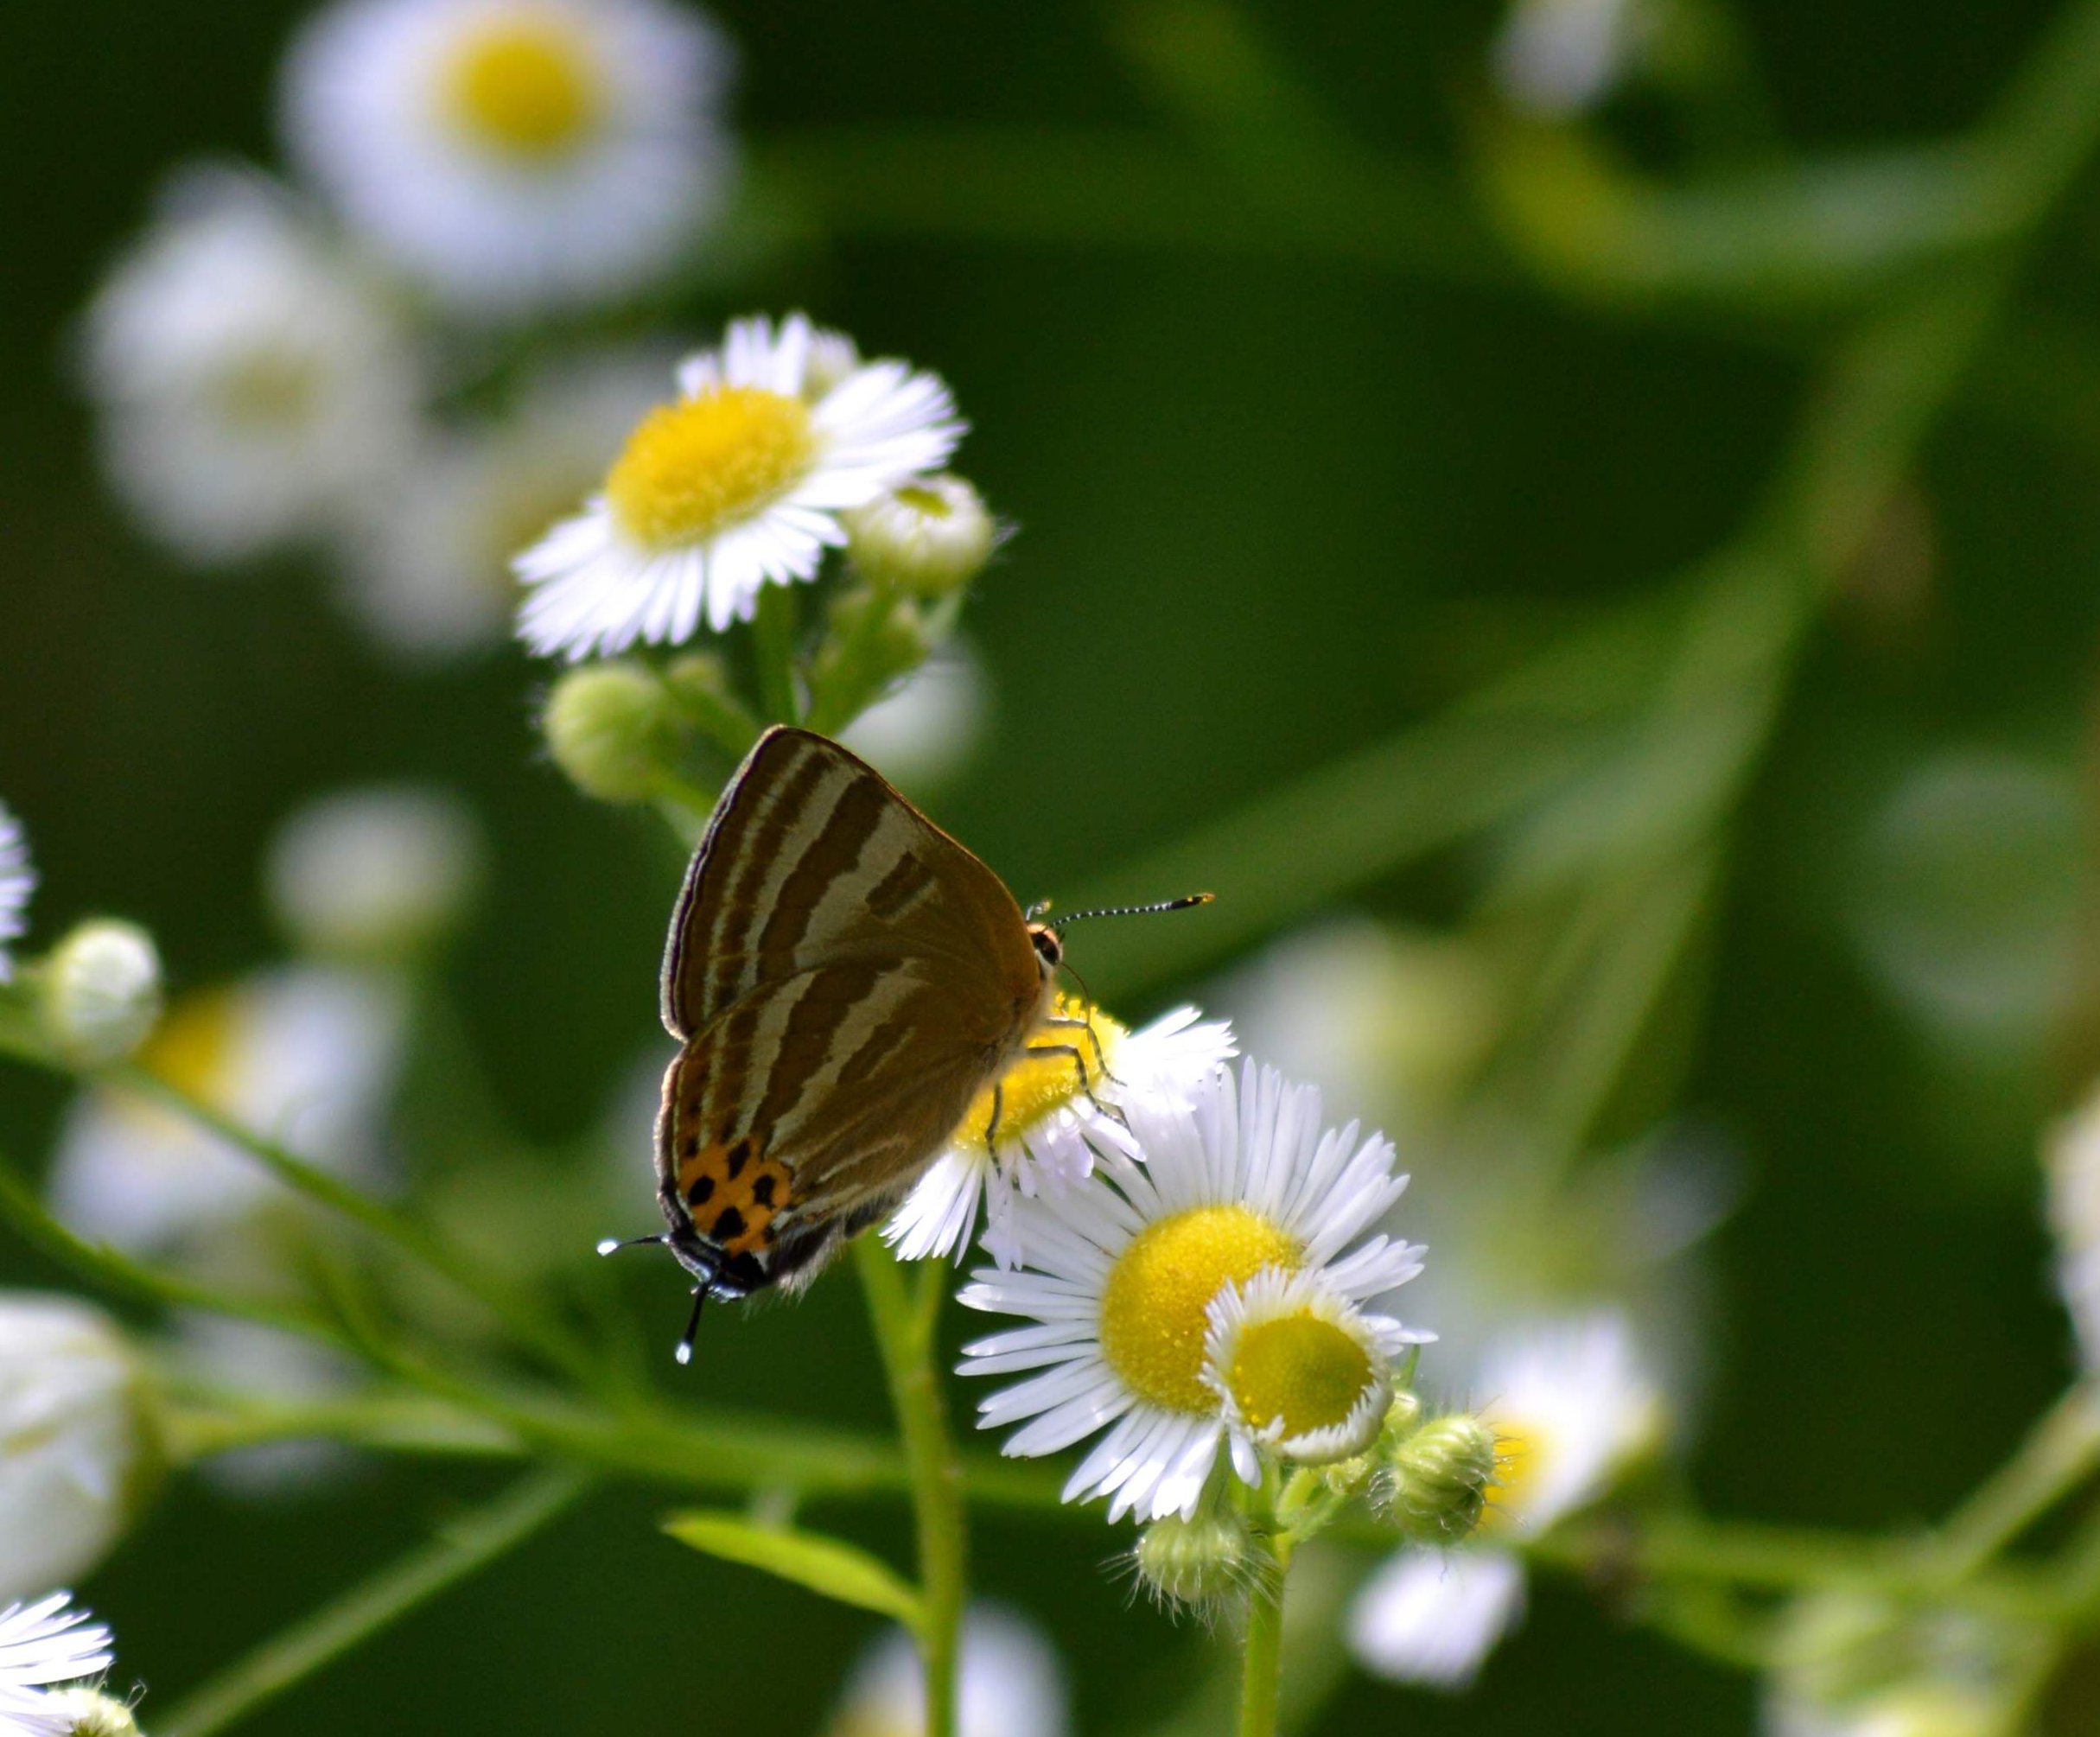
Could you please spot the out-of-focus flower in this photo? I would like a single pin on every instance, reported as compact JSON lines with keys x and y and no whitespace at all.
{"x":252,"y":386}
{"x":1556,"y":58}
{"x":99,"y":991}
{"x":43,"y":1645}
{"x":1010,"y":1683}
{"x":258,"y":1363}
{"x":377,"y":873}
{"x":18,"y":882}
{"x":2073,"y":1159}
{"x":78,"y":1454}
{"x":305,"y":1056}
{"x":1850,"y":1666}
{"x":1571,"y":1407}
{"x":923,"y":733}
{"x":1122,"y":1271}
{"x":738,"y":484}
{"x":515,"y":155}
{"x":1050,"y":1123}
{"x":428,"y":569}
{"x":931,"y":536}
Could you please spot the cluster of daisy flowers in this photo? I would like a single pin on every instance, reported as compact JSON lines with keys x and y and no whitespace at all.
{"x":401,"y":355}
{"x":49,"y":1654}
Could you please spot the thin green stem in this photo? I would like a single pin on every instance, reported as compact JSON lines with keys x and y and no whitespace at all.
{"x":772,"y":642}
{"x":460,"y":1549}
{"x":904,"y":1332}
{"x":2061,"y":1452}
{"x":1261,"y":1682}
{"x":197,"y":1428}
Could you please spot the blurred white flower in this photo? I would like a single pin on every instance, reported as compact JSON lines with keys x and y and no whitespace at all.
{"x":1122,"y":1271}
{"x":78,"y":1455}
{"x":1910,"y":1710}
{"x":250,"y":386}
{"x":1572,"y":1405}
{"x":100,"y":991}
{"x":1556,"y":58}
{"x":427,"y":571}
{"x":516,"y":154}
{"x":1847,"y":1664}
{"x":1049,"y":1126}
{"x":737,"y":483}
{"x":18,"y":882}
{"x":1010,"y":1683}
{"x":258,"y":1363}
{"x":923,"y":733}
{"x":303,"y":1055}
{"x":2073,"y":1159}
{"x":374,"y":873}
{"x":43,"y":1645}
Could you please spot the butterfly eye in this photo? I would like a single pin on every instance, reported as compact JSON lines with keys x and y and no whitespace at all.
{"x":1048,"y":947}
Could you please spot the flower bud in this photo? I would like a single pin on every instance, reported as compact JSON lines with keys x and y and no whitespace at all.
{"x":377,"y":873}
{"x":1198,"y":1562}
{"x":88,"y":1713}
{"x":1436,"y":1480}
{"x":930,"y":536}
{"x":612,"y":729}
{"x":78,"y":1452}
{"x":100,"y":991}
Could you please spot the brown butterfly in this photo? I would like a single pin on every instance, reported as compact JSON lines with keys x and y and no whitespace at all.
{"x":845,"y":978}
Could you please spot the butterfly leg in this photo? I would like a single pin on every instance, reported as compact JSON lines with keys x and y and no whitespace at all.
{"x":1086,"y":1082}
{"x":991,"y":1131}
{"x":1093,"y":1037}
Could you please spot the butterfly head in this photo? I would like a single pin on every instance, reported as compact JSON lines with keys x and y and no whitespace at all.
{"x":1049,"y":947}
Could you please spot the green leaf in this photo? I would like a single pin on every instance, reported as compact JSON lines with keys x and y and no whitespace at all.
{"x":829,"y":1566}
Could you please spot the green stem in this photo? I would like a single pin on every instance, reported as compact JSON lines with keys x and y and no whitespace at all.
{"x":904,"y":1332}
{"x":773,"y":640}
{"x":2061,"y":1452}
{"x":461,"y":1548}
{"x":1261,"y":1682}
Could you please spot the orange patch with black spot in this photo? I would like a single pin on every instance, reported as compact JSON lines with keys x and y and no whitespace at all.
{"x":732,"y":1192}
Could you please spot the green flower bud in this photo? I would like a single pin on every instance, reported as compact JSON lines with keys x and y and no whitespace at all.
{"x":929,"y":537}
{"x":99,"y":992}
{"x":613,"y":728}
{"x":1437,"y":1478}
{"x":1199,"y":1563}
{"x":89,"y":1712}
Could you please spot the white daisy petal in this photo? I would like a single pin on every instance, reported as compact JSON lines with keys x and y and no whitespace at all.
{"x":1432,"y":1617}
{"x":18,"y":882}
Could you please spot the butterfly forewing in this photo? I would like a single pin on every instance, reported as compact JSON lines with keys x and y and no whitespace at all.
{"x":845,"y":977}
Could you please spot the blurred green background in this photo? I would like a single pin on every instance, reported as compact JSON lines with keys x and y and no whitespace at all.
{"x":1273,"y":505}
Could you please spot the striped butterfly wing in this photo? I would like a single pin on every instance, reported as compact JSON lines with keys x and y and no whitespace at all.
{"x":846,"y":978}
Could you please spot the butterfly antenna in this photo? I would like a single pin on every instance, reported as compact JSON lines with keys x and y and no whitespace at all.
{"x":1184,"y":903}
{"x":685,"y":1352}
{"x":610,"y":1243}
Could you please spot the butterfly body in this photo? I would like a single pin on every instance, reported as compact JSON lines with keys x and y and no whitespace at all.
{"x":844,"y":978}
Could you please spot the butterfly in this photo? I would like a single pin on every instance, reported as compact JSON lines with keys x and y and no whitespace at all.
{"x":844,"y":979}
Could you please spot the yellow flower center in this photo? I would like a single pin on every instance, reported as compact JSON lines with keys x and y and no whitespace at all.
{"x":1035,"y":1084}
{"x":695,"y":468}
{"x":926,"y":502}
{"x":269,"y":391}
{"x":1152,"y":1307}
{"x":527,"y":88}
{"x":1516,"y":1470}
{"x":1300,"y":1369}
{"x":192,"y":1047}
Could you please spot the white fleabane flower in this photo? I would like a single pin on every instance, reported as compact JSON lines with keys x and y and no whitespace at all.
{"x":737,"y":483}
{"x":2073,"y":1160}
{"x":305,"y":1055}
{"x":377,"y":872}
{"x":1010,"y":1683}
{"x":428,"y":570}
{"x":515,"y":155}
{"x":1049,"y":1127}
{"x":18,"y":882}
{"x":1299,"y":1372}
{"x":43,"y":1645}
{"x":1432,"y":1616}
{"x":1571,"y":1405}
{"x":1556,"y":58}
{"x":1847,"y":1664}
{"x":252,"y":386}
{"x":100,"y":991}
{"x":1122,"y":1271}
{"x":77,"y":1453}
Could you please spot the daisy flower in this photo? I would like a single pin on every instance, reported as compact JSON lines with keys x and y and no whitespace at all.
{"x":1122,"y":1273}
{"x":1010,"y":1683}
{"x":1571,"y":1406}
{"x":376,"y":872}
{"x":1557,"y":58}
{"x":77,"y":1453}
{"x":738,"y":483}
{"x":18,"y":881}
{"x":427,"y":571}
{"x":41,"y":1645}
{"x":252,"y":386}
{"x":515,"y":155}
{"x":305,"y":1055}
{"x":1049,"y":1127}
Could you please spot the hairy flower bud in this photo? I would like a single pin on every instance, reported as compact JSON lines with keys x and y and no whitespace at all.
{"x":930,"y":536}
{"x":88,"y":1713}
{"x":612,"y":729}
{"x":1436,"y":1480}
{"x":100,"y":991}
{"x":1197,"y":1562}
